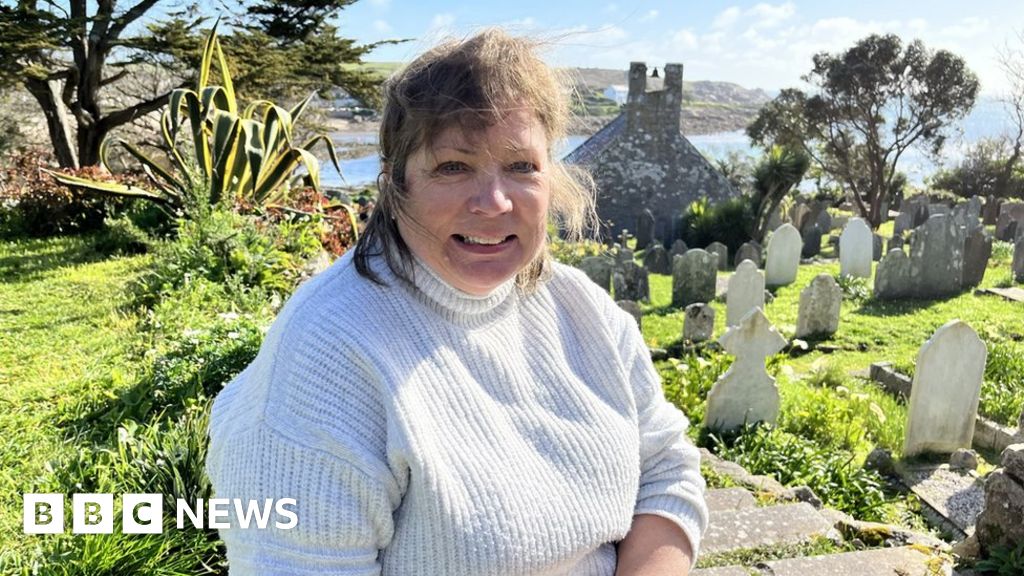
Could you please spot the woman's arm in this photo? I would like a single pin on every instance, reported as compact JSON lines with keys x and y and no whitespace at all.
{"x":654,"y":546}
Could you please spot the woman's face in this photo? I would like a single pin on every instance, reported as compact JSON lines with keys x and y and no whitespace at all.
{"x":477,"y":203}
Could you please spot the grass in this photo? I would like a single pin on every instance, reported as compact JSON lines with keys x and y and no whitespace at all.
{"x":61,"y":332}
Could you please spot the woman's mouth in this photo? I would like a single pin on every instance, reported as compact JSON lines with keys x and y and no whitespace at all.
{"x":483,"y":240}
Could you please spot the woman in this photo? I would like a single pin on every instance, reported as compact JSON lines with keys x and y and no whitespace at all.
{"x":445,"y":400}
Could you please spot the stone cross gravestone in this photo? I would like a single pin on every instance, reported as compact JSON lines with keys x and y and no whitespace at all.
{"x":855,"y":249}
{"x":819,"y":307}
{"x":630,"y":283}
{"x":721,"y":251}
{"x":944,"y":396}
{"x":745,"y":292}
{"x":698,"y":322}
{"x":693,"y":277}
{"x":746,"y":393}
{"x":783,"y":256}
{"x":598,"y":269}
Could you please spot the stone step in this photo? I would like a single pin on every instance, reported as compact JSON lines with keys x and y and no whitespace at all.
{"x":754,"y":527}
{"x":904,"y":561}
{"x":725,"y":499}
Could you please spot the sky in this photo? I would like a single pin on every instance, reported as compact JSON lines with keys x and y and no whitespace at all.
{"x":755,"y":44}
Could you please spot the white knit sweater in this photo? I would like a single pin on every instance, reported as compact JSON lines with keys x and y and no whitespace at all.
{"x":426,"y":431}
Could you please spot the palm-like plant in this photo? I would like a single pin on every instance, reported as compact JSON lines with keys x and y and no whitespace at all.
{"x":775,"y":176}
{"x":249,"y":157}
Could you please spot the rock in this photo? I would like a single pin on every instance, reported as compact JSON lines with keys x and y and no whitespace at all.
{"x":819,"y":307}
{"x":903,"y":561}
{"x":944,"y":397}
{"x":880,"y":460}
{"x":1012,"y":460}
{"x":783,"y":256}
{"x":722,"y":499}
{"x":699,"y":322}
{"x":755,"y":527}
{"x":658,"y":354}
{"x":1000,"y":524}
{"x":805,"y":494}
{"x":745,"y":292}
{"x":963,"y":459}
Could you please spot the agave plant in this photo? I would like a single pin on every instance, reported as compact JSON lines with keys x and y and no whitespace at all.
{"x":249,"y":156}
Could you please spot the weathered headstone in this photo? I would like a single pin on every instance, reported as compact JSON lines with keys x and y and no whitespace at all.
{"x":894,"y":242}
{"x":990,"y":212}
{"x":749,"y":251}
{"x":629,"y":281}
{"x":783,"y":256}
{"x":678,"y":248}
{"x":721,"y":251}
{"x":892,"y":277}
{"x":934,"y":209}
{"x":599,"y":269}
{"x":944,"y":397}
{"x":937,"y":256}
{"x":622,"y":256}
{"x":746,"y":393}
{"x":876,"y":247}
{"x":810,"y":235}
{"x":855,"y":245}
{"x":798,"y":213}
{"x":745,"y":292}
{"x":819,"y":307}
{"x":693,"y":277}
{"x":633,"y":308}
{"x":1018,"y":261}
{"x":977,"y":251}
{"x":903,"y":222}
{"x":698,"y":322}
{"x":656,"y":259}
{"x":644,"y":229}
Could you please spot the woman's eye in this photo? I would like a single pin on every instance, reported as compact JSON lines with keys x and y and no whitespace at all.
{"x":523,"y":167}
{"x":451,"y":168}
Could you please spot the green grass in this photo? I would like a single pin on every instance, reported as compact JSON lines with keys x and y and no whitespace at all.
{"x":61,"y":332}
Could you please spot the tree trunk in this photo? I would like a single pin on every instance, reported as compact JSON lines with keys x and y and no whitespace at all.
{"x":58,"y":122}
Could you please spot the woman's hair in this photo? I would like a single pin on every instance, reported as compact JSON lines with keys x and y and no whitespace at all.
{"x":471,"y":84}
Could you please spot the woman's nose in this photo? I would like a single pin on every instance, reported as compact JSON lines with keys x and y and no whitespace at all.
{"x":492,"y":195}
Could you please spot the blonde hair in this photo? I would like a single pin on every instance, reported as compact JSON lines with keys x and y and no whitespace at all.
{"x":472,"y":84}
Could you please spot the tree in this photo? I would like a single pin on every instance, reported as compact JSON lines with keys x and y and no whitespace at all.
{"x":70,"y":56}
{"x":775,"y":176}
{"x":871,"y":103}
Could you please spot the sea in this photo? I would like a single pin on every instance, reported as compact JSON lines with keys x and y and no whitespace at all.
{"x":988,"y":119}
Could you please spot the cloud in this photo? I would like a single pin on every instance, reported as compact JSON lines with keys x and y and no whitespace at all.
{"x":382,"y":26}
{"x":726,"y":18}
{"x":769,"y":16}
{"x":684,"y":39}
{"x":442,"y":20}
{"x":967,"y":28}
{"x":651,"y":15}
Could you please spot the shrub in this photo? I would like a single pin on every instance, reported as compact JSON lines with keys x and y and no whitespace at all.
{"x":793,"y":461}
{"x":984,"y":171}
{"x":729,"y":222}
{"x":572,"y":253}
{"x":1003,"y":561}
{"x":688,"y":380}
{"x":1002,"y":393}
{"x":854,"y":288}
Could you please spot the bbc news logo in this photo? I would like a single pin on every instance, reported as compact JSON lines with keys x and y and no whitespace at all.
{"x":143,"y":513}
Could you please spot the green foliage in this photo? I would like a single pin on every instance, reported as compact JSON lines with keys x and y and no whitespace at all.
{"x":1003,"y":561}
{"x":729,"y":222}
{"x":775,"y":176}
{"x":1002,"y":254}
{"x":854,"y":288}
{"x":794,"y":461}
{"x":572,"y":253}
{"x":870,"y":104}
{"x":988,"y":168}
{"x":737,"y":169}
{"x":1002,"y":393}
{"x":688,"y":380}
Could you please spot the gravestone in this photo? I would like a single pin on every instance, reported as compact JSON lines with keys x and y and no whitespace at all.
{"x":876,"y":247}
{"x":693,"y":277}
{"x":936,"y":257}
{"x":974,"y":207}
{"x":746,"y":393}
{"x":903,"y":222}
{"x":644,"y":229}
{"x":622,"y":256}
{"x":894,"y":242}
{"x":1009,"y":223}
{"x":599,"y":269}
{"x":892,"y":277}
{"x":990,"y":212}
{"x":855,"y":246}
{"x":944,"y":397}
{"x":629,"y":281}
{"x":934,"y":209}
{"x":819,"y":307}
{"x":656,"y":259}
{"x":810,"y":236}
{"x":745,"y":292}
{"x":749,"y":251}
{"x":698,"y":322}
{"x":977,"y":251}
{"x":1018,"y":261}
{"x":634,"y":310}
{"x":678,"y":248}
{"x":783,"y":256}
{"x":624,"y":237}
{"x":721,"y":251}
{"x":798,"y":213}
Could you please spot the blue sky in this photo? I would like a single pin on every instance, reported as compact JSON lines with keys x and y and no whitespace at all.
{"x":756,"y":44}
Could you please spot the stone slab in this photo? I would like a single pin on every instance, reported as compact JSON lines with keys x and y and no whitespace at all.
{"x":903,"y":561}
{"x":773,"y":525}
{"x":721,"y":571}
{"x":1013,"y":294}
{"x":724,"y":499}
{"x":957,"y":496}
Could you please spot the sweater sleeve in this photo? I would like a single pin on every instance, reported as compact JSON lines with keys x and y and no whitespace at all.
{"x":304,"y":421}
{"x":671,"y":484}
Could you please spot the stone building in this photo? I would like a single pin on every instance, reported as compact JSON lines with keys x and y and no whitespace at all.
{"x":646,"y":171}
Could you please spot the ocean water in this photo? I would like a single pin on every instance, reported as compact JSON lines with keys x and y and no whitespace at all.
{"x":988,"y":119}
